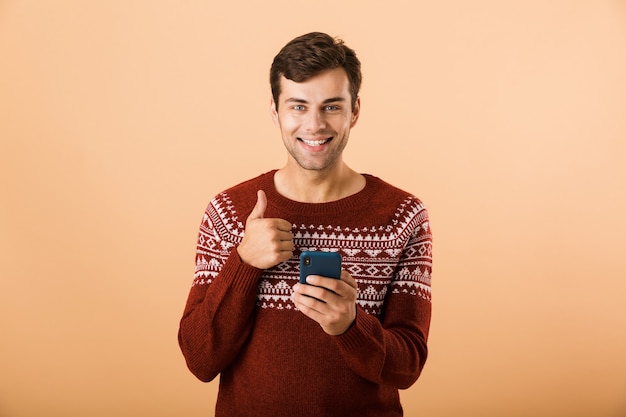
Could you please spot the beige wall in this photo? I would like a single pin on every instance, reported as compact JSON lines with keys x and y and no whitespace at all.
{"x":119,"y":120}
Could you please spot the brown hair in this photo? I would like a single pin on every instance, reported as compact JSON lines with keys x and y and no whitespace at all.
{"x":307,"y":55}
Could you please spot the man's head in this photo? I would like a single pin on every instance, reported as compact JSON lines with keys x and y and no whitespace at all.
{"x":310,"y":54}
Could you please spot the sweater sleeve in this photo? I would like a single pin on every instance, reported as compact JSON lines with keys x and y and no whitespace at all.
{"x":392,"y":350}
{"x":218,"y":316}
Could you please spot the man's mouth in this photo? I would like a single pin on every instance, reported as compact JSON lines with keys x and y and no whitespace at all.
{"x":315,"y":142}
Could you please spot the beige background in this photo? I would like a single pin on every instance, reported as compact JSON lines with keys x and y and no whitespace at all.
{"x":119,"y":120}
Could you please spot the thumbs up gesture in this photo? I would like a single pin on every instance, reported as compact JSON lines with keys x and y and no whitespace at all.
{"x":266,"y":242}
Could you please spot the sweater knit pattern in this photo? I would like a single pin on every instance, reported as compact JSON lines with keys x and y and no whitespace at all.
{"x":370,"y":254}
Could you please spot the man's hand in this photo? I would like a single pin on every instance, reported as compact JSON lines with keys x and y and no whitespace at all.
{"x":330,"y":302}
{"x":266,"y":242}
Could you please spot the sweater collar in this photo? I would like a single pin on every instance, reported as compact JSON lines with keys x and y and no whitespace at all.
{"x":351,"y":203}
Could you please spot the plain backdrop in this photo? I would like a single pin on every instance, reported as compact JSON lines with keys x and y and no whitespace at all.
{"x":120,"y":120}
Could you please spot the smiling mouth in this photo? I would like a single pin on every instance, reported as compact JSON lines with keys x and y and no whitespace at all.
{"x":315,"y":142}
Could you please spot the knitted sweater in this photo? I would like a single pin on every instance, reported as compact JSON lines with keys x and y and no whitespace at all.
{"x":240,"y":322}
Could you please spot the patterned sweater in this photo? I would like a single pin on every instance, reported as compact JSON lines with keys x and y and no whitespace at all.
{"x":240,"y":322}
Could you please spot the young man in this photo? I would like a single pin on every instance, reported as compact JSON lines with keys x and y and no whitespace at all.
{"x":334,"y":347}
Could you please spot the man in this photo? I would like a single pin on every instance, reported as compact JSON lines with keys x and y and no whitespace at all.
{"x":334,"y":347}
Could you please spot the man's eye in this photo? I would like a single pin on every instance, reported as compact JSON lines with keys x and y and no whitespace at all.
{"x":331,"y":108}
{"x":298,"y":107}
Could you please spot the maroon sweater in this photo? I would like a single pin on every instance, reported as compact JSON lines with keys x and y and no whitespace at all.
{"x":240,"y":322}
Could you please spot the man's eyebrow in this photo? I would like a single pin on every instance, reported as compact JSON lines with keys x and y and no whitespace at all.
{"x":303,"y":101}
{"x":334,"y":100}
{"x":296,"y":100}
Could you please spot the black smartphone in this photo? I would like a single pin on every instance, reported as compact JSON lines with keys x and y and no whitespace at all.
{"x":326,"y":264}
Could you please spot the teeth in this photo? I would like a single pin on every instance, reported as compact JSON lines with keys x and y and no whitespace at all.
{"x":315,"y":142}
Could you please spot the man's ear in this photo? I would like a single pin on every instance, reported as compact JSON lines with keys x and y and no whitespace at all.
{"x":274,"y":111}
{"x":356,"y":111}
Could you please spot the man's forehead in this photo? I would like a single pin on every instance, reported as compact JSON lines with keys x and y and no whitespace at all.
{"x":324,"y":87}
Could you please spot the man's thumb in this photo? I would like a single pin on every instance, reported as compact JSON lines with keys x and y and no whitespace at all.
{"x":259,"y":209}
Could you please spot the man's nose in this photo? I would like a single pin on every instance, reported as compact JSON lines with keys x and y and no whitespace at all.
{"x":314,"y":121}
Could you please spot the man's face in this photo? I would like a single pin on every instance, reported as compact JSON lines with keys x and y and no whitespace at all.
{"x":315,"y":118}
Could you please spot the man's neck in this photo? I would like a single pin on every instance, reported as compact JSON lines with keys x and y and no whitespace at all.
{"x":309,"y":186}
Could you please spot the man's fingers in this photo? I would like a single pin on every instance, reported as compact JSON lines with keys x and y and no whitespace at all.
{"x":284,"y":226}
{"x":332,"y":304}
{"x":333,"y":284}
{"x":267,"y":241}
{"x":347,"y":278}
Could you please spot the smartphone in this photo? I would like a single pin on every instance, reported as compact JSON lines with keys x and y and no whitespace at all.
{"x":326,"y":264}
